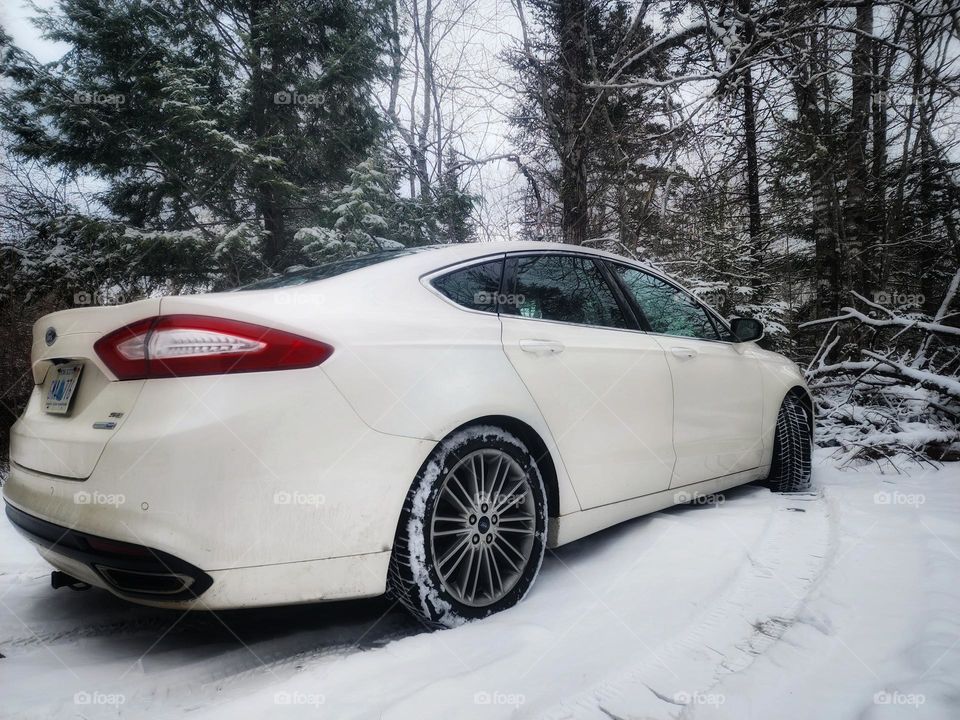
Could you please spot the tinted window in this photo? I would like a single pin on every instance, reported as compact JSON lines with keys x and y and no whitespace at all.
{"x":566,"y":288}
{"x":668,"y":309}
{"x":476,"y":287}
{"x":327,"y":270}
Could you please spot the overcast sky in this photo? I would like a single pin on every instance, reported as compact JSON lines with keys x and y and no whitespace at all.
{"x":15,"y":17}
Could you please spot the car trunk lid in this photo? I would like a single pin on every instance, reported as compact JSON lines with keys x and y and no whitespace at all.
{"x":70,"y":444}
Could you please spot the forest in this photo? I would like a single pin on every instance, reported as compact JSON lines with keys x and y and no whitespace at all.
{"x":796,"y":162}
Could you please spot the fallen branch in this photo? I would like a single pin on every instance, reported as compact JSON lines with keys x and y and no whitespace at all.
{"x":892,"y":320}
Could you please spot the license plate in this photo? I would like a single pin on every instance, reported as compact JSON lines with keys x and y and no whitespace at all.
{"x":66,"y":377}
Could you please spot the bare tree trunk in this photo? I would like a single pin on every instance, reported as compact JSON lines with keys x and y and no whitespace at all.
{"x":856,"y":260}
{"x":396,"y":60}
{"x":883,"y":61}
{"x":268,"y":205}
{"x":424,"y":30}
{"x":753,"y":169}
{"x":574,"y":59}
{"x":820,"y":168}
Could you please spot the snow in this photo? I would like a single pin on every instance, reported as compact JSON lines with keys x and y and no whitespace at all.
{"x":840,"y":603}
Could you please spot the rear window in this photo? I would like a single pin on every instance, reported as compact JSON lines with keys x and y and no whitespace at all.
{"x":327,"y":270}
{"x":476,"y":287}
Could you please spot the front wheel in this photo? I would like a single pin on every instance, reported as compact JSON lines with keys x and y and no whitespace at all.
{"x":792,"y":447}
{"x":472,"y":532}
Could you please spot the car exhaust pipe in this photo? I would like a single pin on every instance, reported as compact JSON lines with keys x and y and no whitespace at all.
{"x":61,"y":579}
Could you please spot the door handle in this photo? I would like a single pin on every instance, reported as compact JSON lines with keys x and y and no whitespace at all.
{"x":684,"y":353}
{"x":541,"y":347}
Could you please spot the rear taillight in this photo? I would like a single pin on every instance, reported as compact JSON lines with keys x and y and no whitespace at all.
{"x":184,"y":345}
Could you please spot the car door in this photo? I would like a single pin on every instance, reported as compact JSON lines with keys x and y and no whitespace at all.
{"x":602,"y":386}
{"x":717,"y":390}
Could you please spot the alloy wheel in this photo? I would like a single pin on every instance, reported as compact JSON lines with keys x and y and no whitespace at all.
{"x":483,"y":527}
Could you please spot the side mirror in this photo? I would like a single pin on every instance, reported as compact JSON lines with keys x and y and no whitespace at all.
{"x":746,"y":329}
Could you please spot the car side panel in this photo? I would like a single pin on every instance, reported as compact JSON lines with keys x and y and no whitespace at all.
{"x":608,"y":399}
{"x":718,"y":408}
{"x":423,"y":367}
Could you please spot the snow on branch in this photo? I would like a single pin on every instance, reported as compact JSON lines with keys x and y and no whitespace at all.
{"x":891,"y":320}
{"x":924,"y":377}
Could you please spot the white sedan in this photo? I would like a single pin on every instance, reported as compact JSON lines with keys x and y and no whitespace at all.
{"x":424,"y":422}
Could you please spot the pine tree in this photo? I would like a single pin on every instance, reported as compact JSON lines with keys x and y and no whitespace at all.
{"x":454,"y":205}
{"x":196,"y":113}
{"x":356,"y":216}
{"x":586,"y":143}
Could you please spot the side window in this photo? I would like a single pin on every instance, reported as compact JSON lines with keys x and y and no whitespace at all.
{"x":668,"y":309}
{"x":567,"y":288}
{"x":476,"y":287}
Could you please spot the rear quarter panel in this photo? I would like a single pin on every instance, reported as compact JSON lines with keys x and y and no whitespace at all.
{"x":408,"y":362}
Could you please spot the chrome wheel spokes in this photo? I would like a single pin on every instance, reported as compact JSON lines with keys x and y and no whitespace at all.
{"x":482,"y":539}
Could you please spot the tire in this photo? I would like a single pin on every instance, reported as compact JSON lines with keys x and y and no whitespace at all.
{"x":792,"y":447}
{"x":448,"y":520}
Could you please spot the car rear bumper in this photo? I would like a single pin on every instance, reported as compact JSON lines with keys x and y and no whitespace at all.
{"x":152,"y":577}
{"x":129,"y":570}
{"x":67,"y":550}
{"x":269,"y":483}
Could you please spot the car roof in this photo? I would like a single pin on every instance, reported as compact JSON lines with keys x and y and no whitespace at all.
{"x":438,"y":256}
{"x":418,"y":260}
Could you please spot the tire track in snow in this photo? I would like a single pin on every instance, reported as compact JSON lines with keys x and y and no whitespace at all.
{"x":44,"y":636}
{"x":209,"y":654}
{"x":766,"y":597}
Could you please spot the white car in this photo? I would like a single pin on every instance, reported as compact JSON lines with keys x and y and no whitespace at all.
{"x":424,"y":422}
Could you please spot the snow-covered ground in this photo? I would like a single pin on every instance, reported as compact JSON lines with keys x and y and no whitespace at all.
{"x":844,"y":603}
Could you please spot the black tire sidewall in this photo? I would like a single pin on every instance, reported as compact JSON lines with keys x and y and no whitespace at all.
{"x":434,"y":599}
{"x":785,"y":464}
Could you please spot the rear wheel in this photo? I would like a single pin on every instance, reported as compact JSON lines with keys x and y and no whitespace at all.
{"x":472,"y":533}
{"x":792,"y":447}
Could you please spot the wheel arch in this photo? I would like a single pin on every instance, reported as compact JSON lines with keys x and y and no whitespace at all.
{"x":538,"y":448}
{"x":798,"y":391}
{"x":534,"y":442}
{"x":552,"y":478}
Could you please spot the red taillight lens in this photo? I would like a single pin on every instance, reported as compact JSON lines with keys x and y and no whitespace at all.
{"x":184,"y":345}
